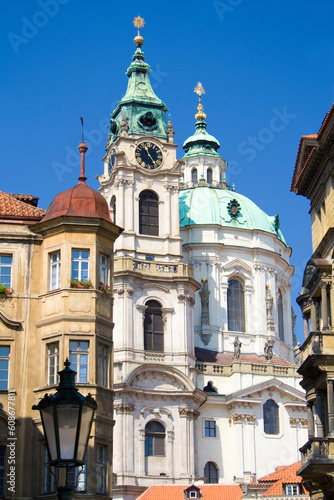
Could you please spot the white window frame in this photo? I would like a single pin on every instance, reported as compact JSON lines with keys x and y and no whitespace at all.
{"x":83,"y":265}
{"x":103,"y":269}
{"x":292,"y":489}
{"x":6,"y":265}
{"x":3,"y":368}
{"x":77,"y":364}
{"x":53,"y":363}
{"x":55,"y":270}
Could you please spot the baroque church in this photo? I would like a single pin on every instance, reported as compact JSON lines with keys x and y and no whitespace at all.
{"x":205,"y":382}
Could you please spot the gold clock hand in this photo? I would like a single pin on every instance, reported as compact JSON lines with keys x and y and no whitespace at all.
{"x":148,"y":154}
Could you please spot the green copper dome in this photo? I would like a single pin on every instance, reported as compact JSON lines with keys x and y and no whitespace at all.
{"x":201,"y":142}
{"x":206,"y":205}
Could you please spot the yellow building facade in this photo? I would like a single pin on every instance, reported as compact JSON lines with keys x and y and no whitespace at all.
{"x":313,"y":178}
{"x":56,"y":270}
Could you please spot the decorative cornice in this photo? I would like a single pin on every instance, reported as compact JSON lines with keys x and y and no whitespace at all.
{"x":238,"y":418}
{"x":250,"y":419}
{"x":123,"y":408}
{"x":188,"y":412}
{"x":295,"y":421}
{"x":182,"y":297}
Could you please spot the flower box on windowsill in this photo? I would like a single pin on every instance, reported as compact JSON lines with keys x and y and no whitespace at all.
{"x":104,"y":288}
{"x":74,"y":283}
{"x":5,"y":290}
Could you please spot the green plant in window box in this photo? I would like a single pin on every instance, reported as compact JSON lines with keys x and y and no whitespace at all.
{"x":76,"y":283}
{"x":104,"y":288}
{"x":6,"y":290}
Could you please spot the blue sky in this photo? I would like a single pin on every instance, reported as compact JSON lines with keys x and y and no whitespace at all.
{"x":267,"y":68}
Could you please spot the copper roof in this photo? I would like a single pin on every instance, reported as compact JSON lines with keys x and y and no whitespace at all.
{"x":15,"y":210}
{"x":79,"y":201}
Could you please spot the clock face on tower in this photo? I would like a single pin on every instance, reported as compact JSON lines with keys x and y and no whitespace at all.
{"x":148,"y":155}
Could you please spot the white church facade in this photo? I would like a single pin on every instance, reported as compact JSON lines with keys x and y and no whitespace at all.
{"x":204,"y":376}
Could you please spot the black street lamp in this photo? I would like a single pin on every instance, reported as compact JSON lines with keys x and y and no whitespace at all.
{"x":67,"y":418}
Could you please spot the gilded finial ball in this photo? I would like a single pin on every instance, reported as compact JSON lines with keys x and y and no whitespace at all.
{"x":138,"y":40}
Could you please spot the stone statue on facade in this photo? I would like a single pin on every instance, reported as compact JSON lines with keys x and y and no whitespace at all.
{"x":124,"y":125}
{"x":237,"y":347}
{"x":298,"y":354}
{"x":269,"y":307}
{"x":204,"y":294}
{"x":268,"y":349}
{"x":170,"y":131}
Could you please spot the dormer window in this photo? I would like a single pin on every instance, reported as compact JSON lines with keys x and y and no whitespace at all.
{"x":192,"y":492}
{"x":292,"y":489}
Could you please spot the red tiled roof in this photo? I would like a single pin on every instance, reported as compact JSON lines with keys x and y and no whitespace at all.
{"x":273,"y":482}
{"x":16,"y":210}
{"x":282,"y":475}
{"x":226,"y":358}
{"x":281,"y":472}
{"x":27,"y":198}
{"x":325,"y":120}
{"x":303,"y":162}
{"x":208,"y":492}
{"x":309,"y":150}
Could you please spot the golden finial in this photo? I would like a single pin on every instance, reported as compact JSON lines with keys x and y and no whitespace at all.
{"x":200,"y":90}
{"x":139,"y":23}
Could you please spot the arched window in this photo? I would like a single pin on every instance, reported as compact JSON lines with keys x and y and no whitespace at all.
{"x":209,"y":175}
{"x":154,"y":439}
{"x":148,"y":213}
{"x":194,"y":175}
{"x":211,"y":472}
{"x":153,"y":327}
{"x":235,"y":306}
{"x":280,"y":316}
{"x":270,"y":417}
{"x":113,"y":209}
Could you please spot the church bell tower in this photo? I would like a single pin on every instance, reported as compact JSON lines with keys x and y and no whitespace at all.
{"x":154,"y":294}
{"x":141,"y":173}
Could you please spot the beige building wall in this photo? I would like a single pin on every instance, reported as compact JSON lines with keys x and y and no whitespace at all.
{"x":34,"y":320}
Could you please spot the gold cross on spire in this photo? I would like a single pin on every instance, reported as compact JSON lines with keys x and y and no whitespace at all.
{"x":200,"y":90}
{"x":139,"y":23}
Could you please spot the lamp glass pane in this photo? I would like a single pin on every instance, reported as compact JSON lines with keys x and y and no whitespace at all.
{"x":49,"y":431}
{"x":67,"y":423}
{"x":86,"y":418}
